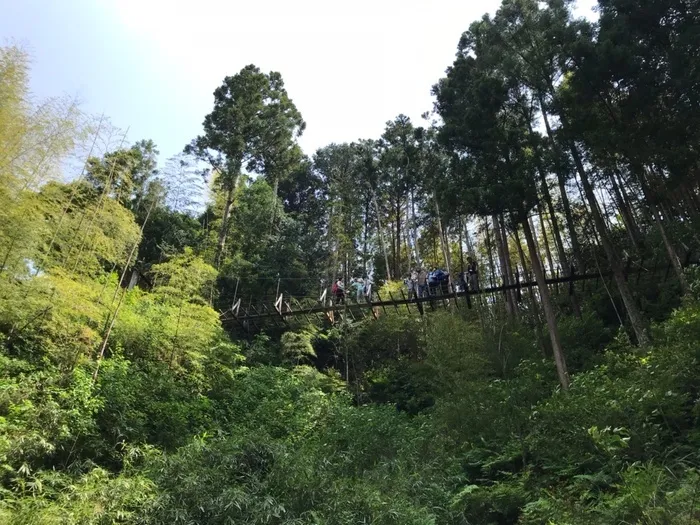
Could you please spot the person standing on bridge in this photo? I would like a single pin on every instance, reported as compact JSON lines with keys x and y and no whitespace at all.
{"x":473,"y":273}
{"x":462,"y":282}
{"x":339,"y":291}
{"x":359,"y":288}
{"x":410,"y":285}
{"x":422,"y":282}
{"x":413,"y":287}
{"x":368,"y":288}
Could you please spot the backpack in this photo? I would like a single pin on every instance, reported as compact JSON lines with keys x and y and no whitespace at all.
{"x":334,"y":288}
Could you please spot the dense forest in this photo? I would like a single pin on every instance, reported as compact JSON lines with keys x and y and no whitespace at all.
{"x":556,"y":147}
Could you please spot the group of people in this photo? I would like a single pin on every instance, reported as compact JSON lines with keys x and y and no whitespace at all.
{"x":422,"y":283}
{"x":359,"y":287}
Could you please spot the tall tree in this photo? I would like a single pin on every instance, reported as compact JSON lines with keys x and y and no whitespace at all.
{"x":338,"y":166}
{"x":398,"y":162}
{"x":487,"y":129}
{"x":128,"y":175}
{"x":253,"y":125}
{"x":534,"y":42}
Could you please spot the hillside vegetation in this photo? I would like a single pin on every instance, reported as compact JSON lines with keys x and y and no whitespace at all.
{"x":555,"y":147}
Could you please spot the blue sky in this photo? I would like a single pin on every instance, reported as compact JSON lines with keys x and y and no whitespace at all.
{"x":152,"y":65}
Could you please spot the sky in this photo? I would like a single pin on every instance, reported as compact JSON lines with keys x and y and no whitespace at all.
{"x":152,"y":65}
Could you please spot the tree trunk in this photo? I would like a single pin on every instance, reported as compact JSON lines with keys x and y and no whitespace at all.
{"x":392,"y":241}
{"x":556,"y":232}
{"x":510,"y":304}
{"x":223,"y":231}
{"x":467,"y":238}
{"x":275,"y":189}
{"x":547,"y":251}
{"x":626,"y":214}
{"x":414,"y":230}
{"x":489,"y":251}
{"x":443,"y":242}
{"x":407,"y":242}
{"x":633,"y":312}
{"x":509,"y":267}
{"x":365,"y":235}
{"x":334,"y":251}
{"x":533,"y":300}
{"x":559,"y":358}
{"x":397,"y":260}
{"x":381,"y":234}
{"x":575,"y":244}
{"x":670,"y":250}
{"x":461,"y":247}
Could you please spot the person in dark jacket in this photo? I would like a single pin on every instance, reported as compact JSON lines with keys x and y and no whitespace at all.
{"x":473,"y":273}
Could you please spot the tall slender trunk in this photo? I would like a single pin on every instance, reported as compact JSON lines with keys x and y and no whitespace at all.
{"x":556,"y":232}
{"x":392,"y":241}
{"x":225,"y":218}
{"x":575,"y":244}
{"x":461,"y":247}
{"x":489,"y":250}
{"x":333,"y":243}
{"x":545,"y":240}
{"x":531,"y":294}
{"x":407,"y":242}
{"x":551,"y":319}
{"x":626,"y":214}
{"x":510,"y":304}
{"x":633,"y":311}
{"x":565,"y":267}
{"x":380,"y":232}
{"x":365,"y":236}
{"x":443,"y":239}
{"x":625,"y":195}
{"x":670,"y":250}
{"x":414,"y":230}
{"x":275,"y":189}
{"x":509,"y":267}
{"x":604,"y":210}
{"x":467,"y":238}
{"x":397,"y":259}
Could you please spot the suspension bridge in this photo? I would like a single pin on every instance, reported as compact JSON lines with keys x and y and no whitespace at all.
{"x":285,"y":307}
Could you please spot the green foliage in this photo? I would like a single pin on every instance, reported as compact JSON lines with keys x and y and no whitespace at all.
{"x":35,"y":139}
{"x":52,"y":498}
{"x":136,"y":406}
{"x":41,"y":413}
{"x":144,"y":403}
{"x":85,"y":233}
{"x":258,"y":256}
{"x":583,"y":338}
{"x":346,"y":466}
{"x":183,"y":277}
{"x":52,"y":316}
{"x":296,"y":346}
{"x":126,"y":174}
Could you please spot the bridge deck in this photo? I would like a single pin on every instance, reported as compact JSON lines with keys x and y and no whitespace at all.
{"x":282,"y":310}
